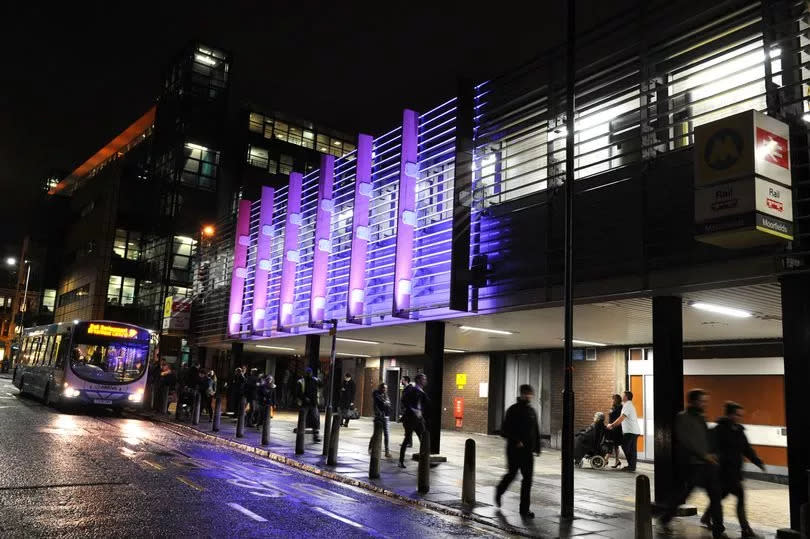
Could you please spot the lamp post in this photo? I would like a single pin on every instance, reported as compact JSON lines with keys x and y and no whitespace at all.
{"x":11,"y":261}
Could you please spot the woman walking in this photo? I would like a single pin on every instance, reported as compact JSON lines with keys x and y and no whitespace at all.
{"x":614,"y":436}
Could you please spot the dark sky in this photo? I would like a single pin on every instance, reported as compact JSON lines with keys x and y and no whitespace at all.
{"x":74,"y":77}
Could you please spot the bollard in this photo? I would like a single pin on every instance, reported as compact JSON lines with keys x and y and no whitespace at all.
{"x":195,"y":411}
{"x":643,"y":508}
{"x":423,"y":471}
{"x":164,"y":400}
{"x":299,"y":432}
{"x":376,"y":449}
{"x":327,"y":431}
{"x":468,"y":481}
{"x":334,"y":440}
{"x":178,"y":407}
{"x":266,"y":426}
{"x":217,"y":413}
{"x":804,"y":519}
{"x":240,"y":420}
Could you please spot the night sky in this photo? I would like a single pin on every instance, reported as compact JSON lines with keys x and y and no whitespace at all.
{"x":73,"y":77}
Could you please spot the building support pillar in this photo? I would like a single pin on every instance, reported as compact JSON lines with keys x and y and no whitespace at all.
{"x":667,"y":318}
{"x":434,"y":369}
{"x":237,"y":351}
{"x":312,"y":353}
{"x":796,"y":341}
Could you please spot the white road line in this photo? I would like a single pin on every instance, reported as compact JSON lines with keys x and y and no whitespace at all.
{"x":338,"y":517}
{"x":247,"y":512}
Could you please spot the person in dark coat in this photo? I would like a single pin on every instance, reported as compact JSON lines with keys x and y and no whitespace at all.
{"x":382,"y":414}
{"x":522,"y":433}
{"x":347,"y":392}
{"x":731,"y":445}
{"x":266,"y":398}
{"x":307,"y":396}
{"x":614,"y":435}
{"x":252,"y":397}
{"x":414,"y":403}
{"x":697,"y":464}
{"x":236,"y":390}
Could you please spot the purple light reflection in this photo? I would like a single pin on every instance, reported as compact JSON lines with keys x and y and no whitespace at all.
{"x":240,"y":251}
{"x":406,"y":214}
{"x":290,"y":254}
{"x":323,"y":242}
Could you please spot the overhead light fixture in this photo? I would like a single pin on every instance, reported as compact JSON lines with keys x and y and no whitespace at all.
{"x":351,"y":355}
{"x":586,"y":343}
{"x":192,"y":146}
{"x":454,"y":351}
{"x":486,"y":330}
{"x":285,"y":348}
{"x":11,"y":261}
{"x":719,"y":309}
{"x":203,"y":59}
{"x":360,"y":341}
{"x":806,"y":117}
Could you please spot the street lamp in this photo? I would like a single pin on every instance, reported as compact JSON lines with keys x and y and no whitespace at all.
{"x":208,"y":231}
{"x":11,"y":261}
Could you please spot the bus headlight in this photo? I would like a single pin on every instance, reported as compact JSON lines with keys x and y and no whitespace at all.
{"x":69,"y":392}
{"x":136,"y":397}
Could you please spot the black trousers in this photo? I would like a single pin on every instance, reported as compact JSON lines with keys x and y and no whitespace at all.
{"x":412,"y":425}
{"x":313,"y":416}
{"x":704,"y":476}
{"x":519,"y":458}
{"x":734,"y":488}
{"x":630,"y":449}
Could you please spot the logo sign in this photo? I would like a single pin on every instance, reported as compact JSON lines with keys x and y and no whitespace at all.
{"x":772,"y":148}
{"x":723,"y":149}
{"x":106,"y":330}
{"x":774,"y":199}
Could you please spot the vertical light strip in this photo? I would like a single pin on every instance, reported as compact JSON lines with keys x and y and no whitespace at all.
{"x":356,"y":301}
{"x":263,"y":247}
{"x":406,"y":214}
{"x":290,"y":255}
{"x":323,"y":241}
{"x":240,"y":252}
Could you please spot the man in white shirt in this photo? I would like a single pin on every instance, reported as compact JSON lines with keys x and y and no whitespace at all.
{"x":630,"y":427}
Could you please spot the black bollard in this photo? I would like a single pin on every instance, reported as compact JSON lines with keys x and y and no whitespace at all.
{"x":376,"y":449}
{"x":178,"y":410}
{"x":423,"y":471}
{"x":164,"y":400}
{"x":643,"y":529}
{"x":266,"y":426}
{"x":195,"y":411}
{"x":299,"y":432}
{"x":468,"y":482}
{"x":334,"y":441}
{"x":327,"y":431}
{"x":240,"y":419}
{"x":217,"y":413}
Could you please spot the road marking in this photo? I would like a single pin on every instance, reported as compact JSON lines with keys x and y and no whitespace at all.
{"x":154,"y":465}
{"x":338,"y":517}
{"x":190,"y":483}
{"x":247,"y":512}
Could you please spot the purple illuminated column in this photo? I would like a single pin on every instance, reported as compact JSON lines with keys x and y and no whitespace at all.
{"x":240,"y":252}
{"x":323,"y":241}
{"x":356,"y":301}
{"x":263,"y":245}
{"x":406,"y":214}
{"x":290,"y":256}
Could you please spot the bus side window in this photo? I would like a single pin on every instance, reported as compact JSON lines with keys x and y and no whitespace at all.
{"x":35,"y":347}
{"x":58,"y":354}
{"x":47,"y":357}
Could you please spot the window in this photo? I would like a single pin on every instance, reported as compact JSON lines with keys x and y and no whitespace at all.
{"x":286,"y":165}
{"x":74,"y":295}
{"x":268,"y":127}
{"x":121,"y":290}
{"x":258,"y":157}
{"x":182,"y":249}
{"x":295,"y":136}
{"x":200,"y":167}
{"x":323,"y":143}
{"x":256,"y":123}
{"x":48,"y":300}
{"x":280,"y":131}
{"x":127,"y":244}
{"x":309,"y":139}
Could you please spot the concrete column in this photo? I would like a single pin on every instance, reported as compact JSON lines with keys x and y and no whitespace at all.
{"x":434,"y":368}
{"x":667,"y":387}
{"x":796,"y":339}
{"x":312,"y":353}
{"x":237,"y":350}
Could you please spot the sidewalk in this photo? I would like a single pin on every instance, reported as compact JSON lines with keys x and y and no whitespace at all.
{"x":604,"y":499}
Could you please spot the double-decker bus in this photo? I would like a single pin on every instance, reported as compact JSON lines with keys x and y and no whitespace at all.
{"x":95,"y":362}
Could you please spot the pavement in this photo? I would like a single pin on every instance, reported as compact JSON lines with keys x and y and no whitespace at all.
{"x":604,"y":499}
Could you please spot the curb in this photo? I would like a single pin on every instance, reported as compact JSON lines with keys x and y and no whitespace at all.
{"x":218,"y":440}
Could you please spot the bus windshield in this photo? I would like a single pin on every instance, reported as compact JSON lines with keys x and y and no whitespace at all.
{"x":111,"y":362}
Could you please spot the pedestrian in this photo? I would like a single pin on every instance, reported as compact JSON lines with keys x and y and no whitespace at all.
{"x":382,"y":413}
{"x":236,"y":389}
{"x":252,"y":397}
{"x":404,"y":384}
{"x":347,"y":392}
{"x":697,"y":465}
{"x":615,"y":435}
{"x":209,"y":391}
{"x":630,"y":430}
{"x":307,"y":397}
{"x":284,"y":386}
{"x":522,"y":433}
{"x":414,"y":402}
{"x":266,"y":396}
{"x":730,"y":444}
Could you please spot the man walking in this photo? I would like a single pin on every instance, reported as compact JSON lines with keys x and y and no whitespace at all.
{"x":414,"y":404}
{"x":522,"y":433}
{"x":347,"y":398}
{"x":307,"y":389}
{"x":631,"y":430}
{"x":698,"y":465}
{"x":731,"y":445}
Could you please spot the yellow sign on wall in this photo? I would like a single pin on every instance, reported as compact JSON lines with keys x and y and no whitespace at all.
{"x":461,"y":380}
{"x":167,"y":307}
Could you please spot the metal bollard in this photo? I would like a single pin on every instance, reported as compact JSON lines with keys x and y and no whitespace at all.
{"x":376,"y":449}
{"x":178,"y":410}
{"x":195,"y":411}
{"x":468,"y":481}
{"x":164,"y":400}
{"x":327,"y":431}
{"x":334,"y":441}
{"x":643,"y":529}
{"x":240,"y":420}
{"x":266,"y":426}
{"x":423,"y":471}
{"x":299,"y":432}
{"x":217,"y":413}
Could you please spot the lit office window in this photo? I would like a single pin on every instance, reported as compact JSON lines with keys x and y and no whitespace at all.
{"x":182,"y":250}
{"x":309,"y":139}
{"x":256,"y":123}
{"x":48,"y":299}
{"x":200,"y":167}
{"x":258,"y":157}
{"x":295,"y":136}
{"x":280,"y":131}
{"x":285,"y":165}
{"x":114,"y":290}
{"x":323,"y":143}
{"x":268,"y":127}
{"x":127,"y":244}
{"x":337,"y":148}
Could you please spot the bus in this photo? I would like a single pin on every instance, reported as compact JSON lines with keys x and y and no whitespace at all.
{"x":95,"y":363}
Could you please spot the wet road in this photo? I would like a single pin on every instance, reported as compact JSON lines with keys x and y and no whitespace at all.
{"x":75,"y":475}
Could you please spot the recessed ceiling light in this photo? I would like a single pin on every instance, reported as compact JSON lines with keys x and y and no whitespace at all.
{"x":351,"y":355}
{"x":275,"y":347}
{"x":486,"y":330}
{"x":361,"y":341}
{"x":586,"y":343}
{"x":719,"y":309}
{"x":454,"y":351}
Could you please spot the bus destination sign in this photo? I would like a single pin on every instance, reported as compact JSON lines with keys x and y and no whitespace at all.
{"x":106,"y":330}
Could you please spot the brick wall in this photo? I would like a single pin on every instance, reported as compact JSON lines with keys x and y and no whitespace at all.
{"x":476,"y":409}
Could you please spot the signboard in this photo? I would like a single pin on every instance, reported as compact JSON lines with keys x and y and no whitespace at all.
{"x":106,"y":330}
{"x":176,"y":313}
{"x":743,"y":196}
{"x":461,"y":380}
